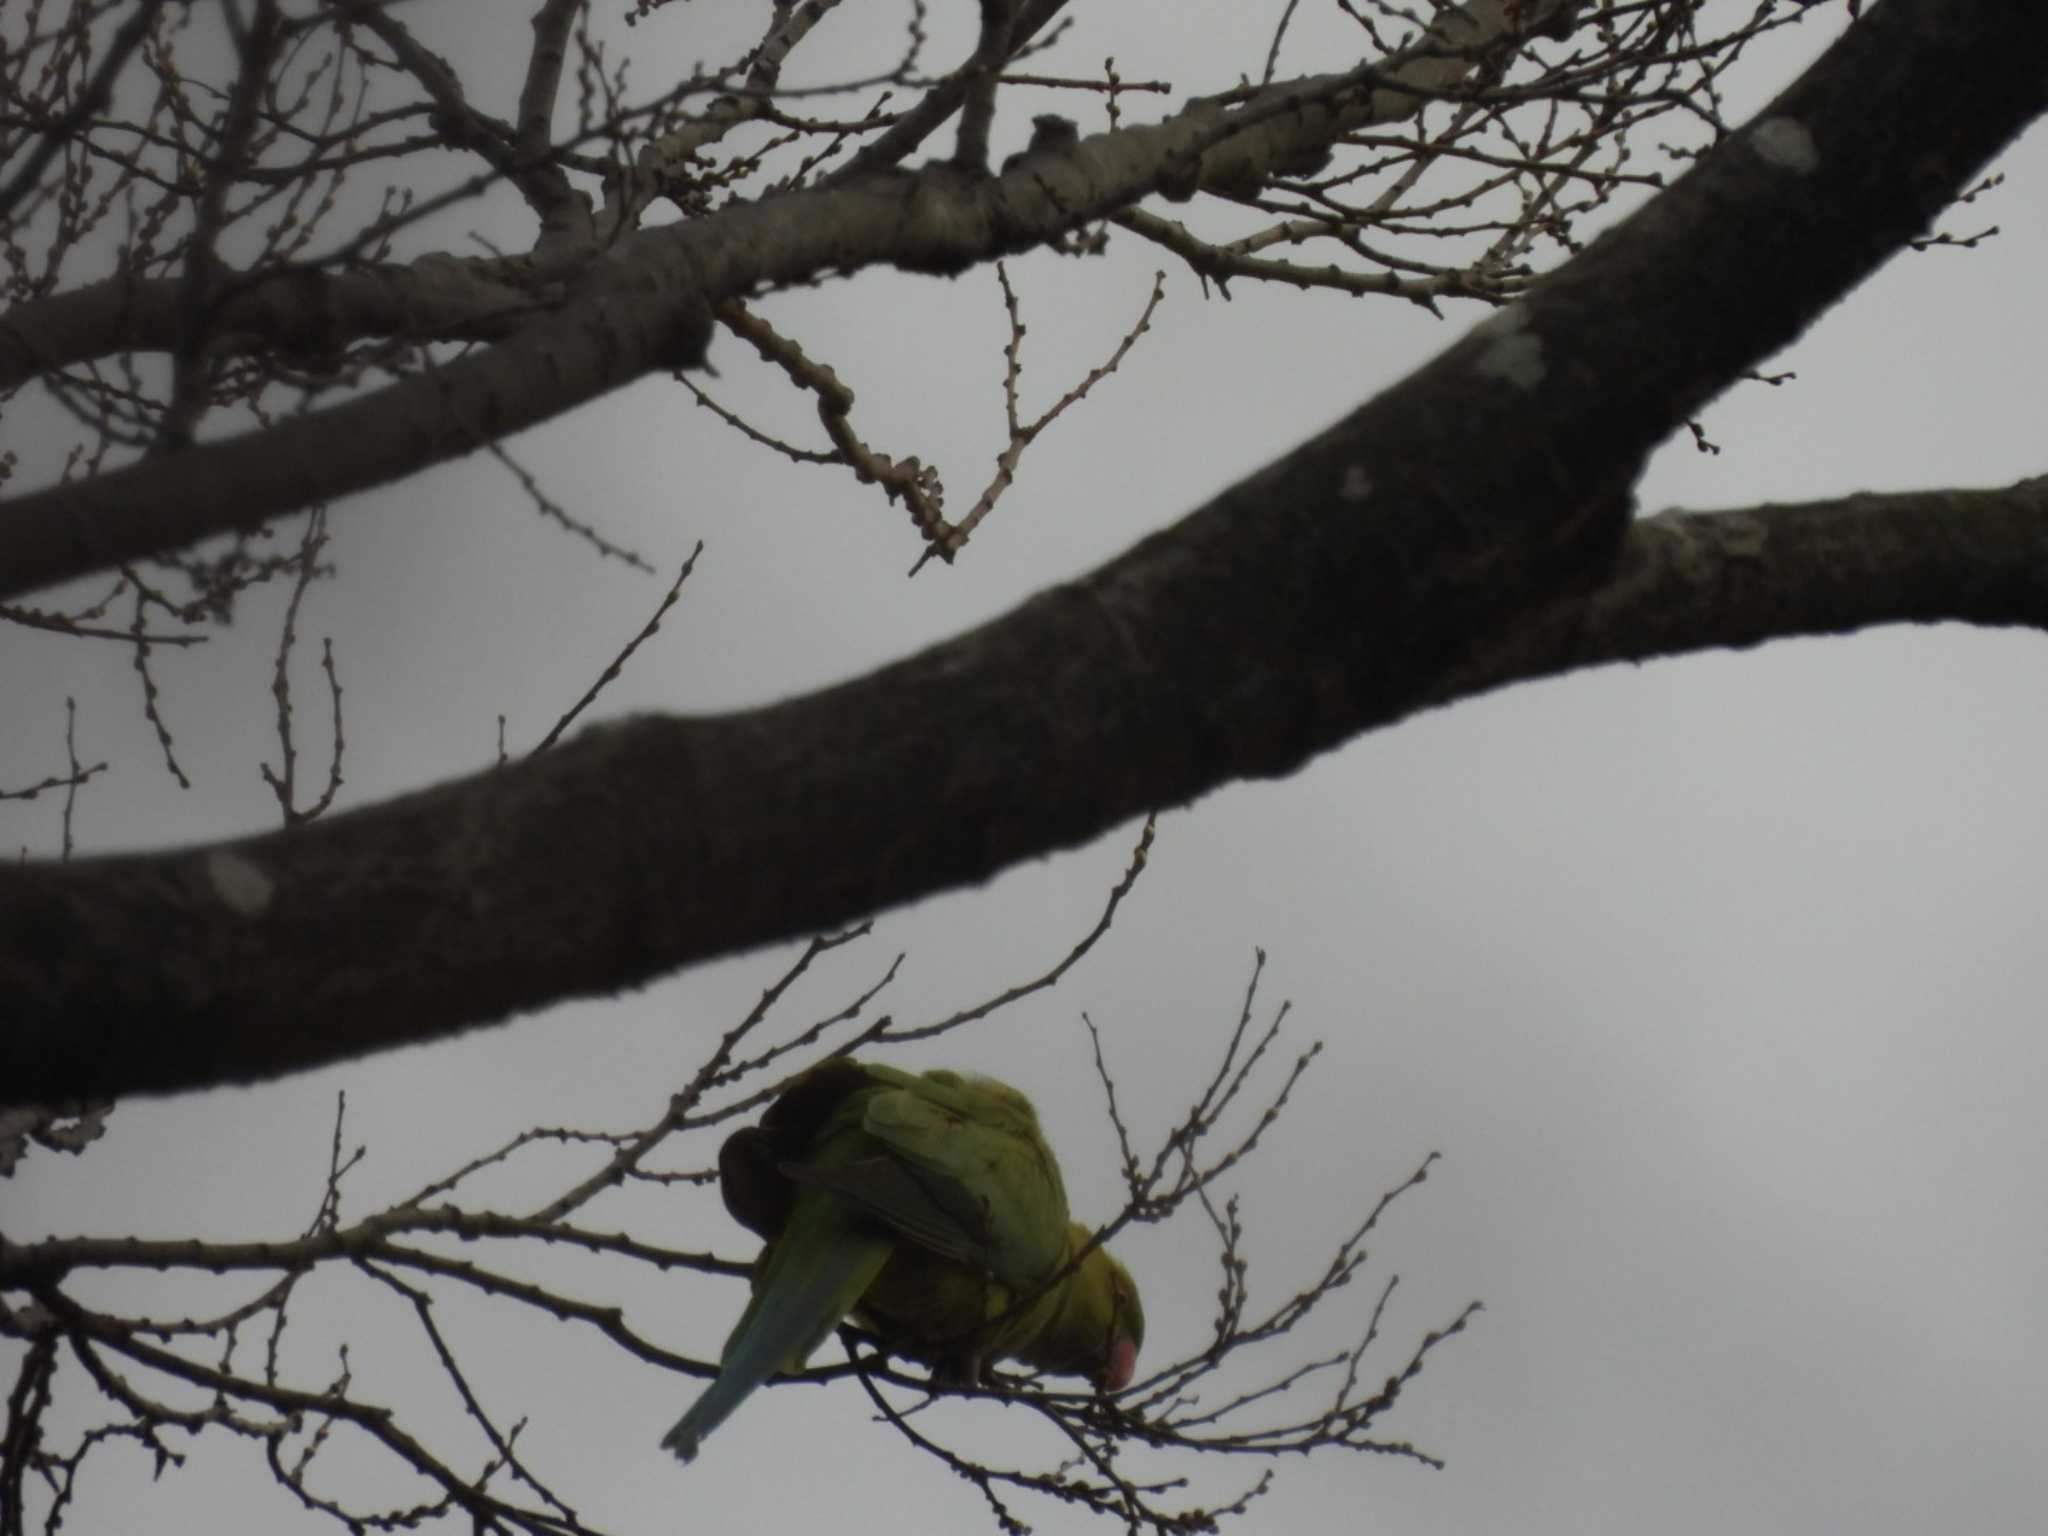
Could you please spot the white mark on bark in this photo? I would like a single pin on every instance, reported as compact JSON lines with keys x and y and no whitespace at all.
{"x":1785,"y":143}
{"x":245,"y":888}
{"x":1356,"y":485}
{"x":1514,"y":353}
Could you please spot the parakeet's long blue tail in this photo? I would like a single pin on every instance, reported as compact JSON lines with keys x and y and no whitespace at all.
{"x":819,"y":1267}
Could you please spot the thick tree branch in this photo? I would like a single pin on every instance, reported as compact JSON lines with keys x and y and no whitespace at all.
{"x":1695,"y":581}
{"x":644,"y":305}
{"x":296,"y":310}
{"x":1347,"y":584}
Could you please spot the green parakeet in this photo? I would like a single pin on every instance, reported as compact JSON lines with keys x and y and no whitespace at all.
{"x":927,"y":1207}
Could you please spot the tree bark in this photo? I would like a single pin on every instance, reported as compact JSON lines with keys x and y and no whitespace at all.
{"x":1469,"y":525}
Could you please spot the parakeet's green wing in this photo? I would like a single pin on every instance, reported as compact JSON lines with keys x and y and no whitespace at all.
{"x":931,"y":1214}
{"x":992,"y":1192}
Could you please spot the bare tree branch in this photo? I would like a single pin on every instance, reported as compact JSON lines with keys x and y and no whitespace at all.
{"x":645,"y":302}
{"x":1349,"y":583}
{"x":1239,"y":1392}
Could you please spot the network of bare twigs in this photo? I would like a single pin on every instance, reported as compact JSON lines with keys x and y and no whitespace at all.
{"x":229,"y":1365}
{"x":221,"y":219}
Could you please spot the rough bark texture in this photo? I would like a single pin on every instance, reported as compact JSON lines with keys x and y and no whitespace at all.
{"x":1686,"y":582}
{"x":1381,"y":566}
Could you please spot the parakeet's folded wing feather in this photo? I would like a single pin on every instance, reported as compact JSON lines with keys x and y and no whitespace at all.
{"x":958,"y":1167}
{"x":927,"y":1211}
{"x":974,"y":1147}
{"x":815,"y":1272}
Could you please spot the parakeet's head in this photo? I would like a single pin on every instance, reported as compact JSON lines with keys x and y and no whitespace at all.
{"x":1121,"y":1319}
{"x":1126,"y":1327}
{"x":1090,"y":1324}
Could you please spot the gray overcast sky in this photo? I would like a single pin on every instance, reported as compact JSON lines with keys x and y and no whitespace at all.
{"x":1717,"y":982}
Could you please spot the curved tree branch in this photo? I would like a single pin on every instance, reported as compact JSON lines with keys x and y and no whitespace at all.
{"x":642,"y":305}
{"x":1695,"y":581}
{"x":1359,"y":577}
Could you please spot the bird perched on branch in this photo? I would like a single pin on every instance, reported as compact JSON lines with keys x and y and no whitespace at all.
{"x":1050,"y":133}
{"x":927,"y":1207}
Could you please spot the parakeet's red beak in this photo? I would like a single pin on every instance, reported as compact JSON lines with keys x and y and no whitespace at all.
{"x":1121,"y":1365}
